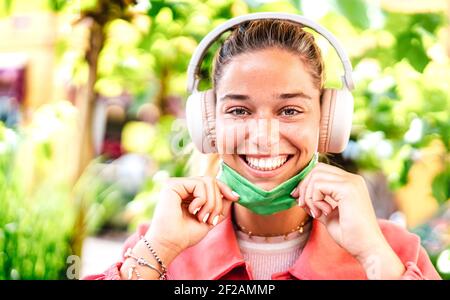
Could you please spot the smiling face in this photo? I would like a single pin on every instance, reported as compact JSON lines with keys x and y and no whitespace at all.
{"x":268,"y":115}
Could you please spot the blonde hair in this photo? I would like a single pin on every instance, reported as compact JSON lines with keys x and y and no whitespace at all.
{"x":252,"y":36}
{"x":200,"y":164}
{"x":262,"y":34}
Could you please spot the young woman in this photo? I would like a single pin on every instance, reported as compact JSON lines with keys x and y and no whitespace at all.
{"x":202,"y":229}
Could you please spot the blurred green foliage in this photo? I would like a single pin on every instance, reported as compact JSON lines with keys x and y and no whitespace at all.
{"x":36,"y":224}
{"x":41,"y":214}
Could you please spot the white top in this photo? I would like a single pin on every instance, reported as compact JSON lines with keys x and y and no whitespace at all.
{"x":272,"y":255}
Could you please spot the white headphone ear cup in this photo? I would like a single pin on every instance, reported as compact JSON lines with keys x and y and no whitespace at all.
{"x":326,"y":108}
{"x":194,"y":124}
{"x":209,"y":114}
{"x":336,"y":120}
{"x":342,"y":121}
{"x":200,"y":119}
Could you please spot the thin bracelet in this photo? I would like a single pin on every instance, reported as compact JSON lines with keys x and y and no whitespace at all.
{"x":143,"y":262}
{"x":163,"y":267}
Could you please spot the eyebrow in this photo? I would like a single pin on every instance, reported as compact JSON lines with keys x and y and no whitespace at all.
{"x":295,"y":95}
{"x":280,"y":96}
{"x":234,"y":97}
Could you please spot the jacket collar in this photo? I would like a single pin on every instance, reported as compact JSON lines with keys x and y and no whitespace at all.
{"x":214,"y":256}
{"x":218,"y":253}
{"x":323,"y":258}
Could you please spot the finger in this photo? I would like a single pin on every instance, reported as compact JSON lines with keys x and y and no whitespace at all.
{"x":230,"y":196}
{"x":226,"y":207}
{"x":306,"y":197}
{"x":314,"y":193}
{"x":318,"y":202}
{"x":295,"y":192}
{"x":323,"y":207}
{"x":200,"y":192}
{"x":307,"y":188}
{"x":302,"y":188}
{"x":227,"y":192}
{"x":318,"y":168}
{"x":308,"y":211}
{"x":330,"y":189}
{"x":319,"y":175}
{"x":331,"y":201}
{"x":299,"y":192}
{"x":205,"y":212}
{"x":214,"y":218}
{"x":323,"y":191}
{"x":188,"y":188}
{"x":196,"y":205}
{"x":193,"y":187}
{"x":309,"y":204}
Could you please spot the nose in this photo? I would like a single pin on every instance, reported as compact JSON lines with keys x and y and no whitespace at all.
{"x":264,"y":136}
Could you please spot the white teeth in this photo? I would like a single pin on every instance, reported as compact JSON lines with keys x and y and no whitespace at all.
{"x":266,"y":164}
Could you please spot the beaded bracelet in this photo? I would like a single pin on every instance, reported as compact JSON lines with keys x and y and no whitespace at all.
{"x":143,"y":262}
{"x":163,"y":267}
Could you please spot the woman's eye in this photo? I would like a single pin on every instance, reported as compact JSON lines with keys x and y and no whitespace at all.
{"x":238,"y":112}
{"x":290,"y":112}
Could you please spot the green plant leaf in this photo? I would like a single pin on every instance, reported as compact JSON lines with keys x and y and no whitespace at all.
{"x":429,"y":22}
{"x":297,"y":4}
{"x":156,"y":7}
{"x":410,"y":46}
{"x":355,"y":11}
{"x":6,"y":8}
{"x":441,"y":186}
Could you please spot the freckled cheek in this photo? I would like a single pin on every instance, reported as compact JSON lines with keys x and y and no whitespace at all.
{"x":301,"y":137}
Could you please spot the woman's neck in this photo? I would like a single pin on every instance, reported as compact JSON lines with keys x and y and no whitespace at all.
{"x":276,"y":224}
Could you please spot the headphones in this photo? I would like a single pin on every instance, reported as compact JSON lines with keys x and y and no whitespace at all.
{"x":336,"y":104}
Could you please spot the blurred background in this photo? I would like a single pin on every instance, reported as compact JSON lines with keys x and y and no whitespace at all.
{"x":92,"y":97}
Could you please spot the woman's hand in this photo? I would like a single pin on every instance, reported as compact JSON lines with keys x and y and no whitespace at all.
{"x":340,"y":200}
{"x":187,"y":209}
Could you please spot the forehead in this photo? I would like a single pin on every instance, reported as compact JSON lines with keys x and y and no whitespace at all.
{"x":265,"y":70}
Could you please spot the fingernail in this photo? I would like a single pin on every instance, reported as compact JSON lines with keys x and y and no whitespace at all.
{"x":205,"y":218}
{"x":312,"y":214}
{"x":196,"y":211}
{"x":215,"y":220}
{"x":294,"y":190}
{"x":235,"y":194}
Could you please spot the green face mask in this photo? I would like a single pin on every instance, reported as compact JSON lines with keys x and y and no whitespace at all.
{"x":258,"y":200}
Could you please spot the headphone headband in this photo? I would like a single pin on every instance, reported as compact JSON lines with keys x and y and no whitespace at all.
{"x":194,"y":64}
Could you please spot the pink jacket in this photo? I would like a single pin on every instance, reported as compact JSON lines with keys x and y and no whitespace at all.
{"x":217,"y":256}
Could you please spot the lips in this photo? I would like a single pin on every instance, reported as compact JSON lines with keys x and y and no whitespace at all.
{"x":265,"y":163}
